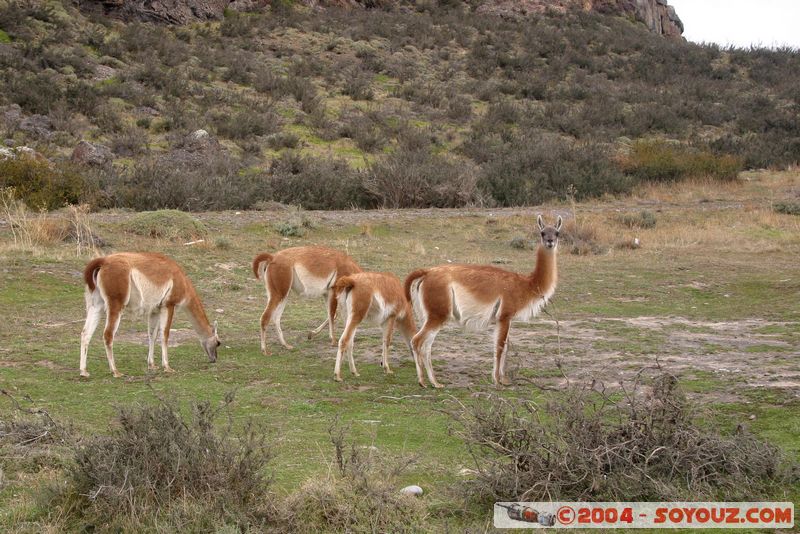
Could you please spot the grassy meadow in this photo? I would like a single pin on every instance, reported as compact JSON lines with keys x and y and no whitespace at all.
{"x":711,"y":294}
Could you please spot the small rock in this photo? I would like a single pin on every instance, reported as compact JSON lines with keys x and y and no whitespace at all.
{"x":416,"y":491}
{"x":86,"y":153}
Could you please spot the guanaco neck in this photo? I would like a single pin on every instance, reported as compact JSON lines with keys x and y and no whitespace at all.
{"x":544,"y":277}
{"x":198,"y":317}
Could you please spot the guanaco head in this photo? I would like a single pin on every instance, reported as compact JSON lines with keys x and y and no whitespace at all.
{"x":549,"y":233}
{"x":210,"y":345}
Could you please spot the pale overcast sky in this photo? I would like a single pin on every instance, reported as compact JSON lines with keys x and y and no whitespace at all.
{"x":741,"y":22}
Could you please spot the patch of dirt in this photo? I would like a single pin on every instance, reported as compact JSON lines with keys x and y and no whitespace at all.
{"x":611,"y":350}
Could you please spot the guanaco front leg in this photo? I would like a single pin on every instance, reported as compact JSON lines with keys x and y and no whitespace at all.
{"x":167,"y":314}
{"x":500,"y":351}
{"x":152,"y":334}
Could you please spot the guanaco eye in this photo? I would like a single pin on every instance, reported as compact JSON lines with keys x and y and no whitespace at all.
{"x":556,"y":234}
{"x":542,"y":234}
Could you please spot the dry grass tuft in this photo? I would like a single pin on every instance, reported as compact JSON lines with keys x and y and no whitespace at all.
{"x":360,"y":494}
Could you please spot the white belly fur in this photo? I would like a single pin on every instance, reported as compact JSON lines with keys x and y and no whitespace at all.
{"x":308,"y":285}
{"x":145,"y":296}
{"x":470,"y":312}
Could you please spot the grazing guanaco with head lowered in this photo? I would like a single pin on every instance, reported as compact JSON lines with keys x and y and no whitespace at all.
{"x":480,"y":295}
{"x":378,"y":297}
{"x":309,"y":271}
{"x":147,"y":283}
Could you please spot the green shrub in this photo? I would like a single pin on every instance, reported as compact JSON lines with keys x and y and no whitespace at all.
{"x":536,"y":168}
{"x":166,"y":224}
{"x":657,"y":161}
{"x":645,"y":219}
{"x":44,"y":185}
{"x":787,"y":208}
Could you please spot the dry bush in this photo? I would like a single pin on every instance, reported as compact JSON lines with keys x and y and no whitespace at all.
{"x":160,"y":469}
{"x":582,"y":238}
{"x":589,"y":444}
{"x":645,"y":219}
{"x":411,"y":178}
{"x":360,"y":494}
{"x":315,"y":183}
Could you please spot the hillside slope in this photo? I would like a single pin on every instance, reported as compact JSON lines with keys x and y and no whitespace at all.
{"x":657,"y":15}
{"x":424,"y":106}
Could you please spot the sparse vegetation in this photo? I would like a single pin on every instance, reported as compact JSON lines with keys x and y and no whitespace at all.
{"x":528,"y":106}
{"x":161,"y":467}
{"x":588,"y":445}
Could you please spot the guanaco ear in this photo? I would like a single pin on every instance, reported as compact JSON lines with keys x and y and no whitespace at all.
{"x":540,"y":222}
{"x":559,"y":222}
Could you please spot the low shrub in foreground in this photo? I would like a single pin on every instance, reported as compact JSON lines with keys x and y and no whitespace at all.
{"x":161,"y":468}
{"x":586,"y":445}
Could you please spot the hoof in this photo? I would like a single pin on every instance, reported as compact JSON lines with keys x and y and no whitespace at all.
{"x":337,"y":378}
{"x":506,"y":382}
{"x":288,"y":347}
{"x":356,"y":374}
{"x":334,"y":342}
{"x":85,"y":374}
{"x":422,"y":385}
{"x":311,"y":334}
{"x":117,"y":374}
{"x":168,"y":369}
{"x":388,"y":371}
{"x":437,"y":385}
{"x":152,"y":368}
{"x":265,"y":352}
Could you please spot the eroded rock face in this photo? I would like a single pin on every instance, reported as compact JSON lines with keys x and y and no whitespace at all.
{"x":163,"y":11}
{"x":657,"y":15}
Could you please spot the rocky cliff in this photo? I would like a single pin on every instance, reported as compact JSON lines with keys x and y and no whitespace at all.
{"x":657,"y":15}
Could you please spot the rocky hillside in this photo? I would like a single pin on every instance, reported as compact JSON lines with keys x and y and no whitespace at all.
{"x":657,"y":15}
{"x":431,"y":104}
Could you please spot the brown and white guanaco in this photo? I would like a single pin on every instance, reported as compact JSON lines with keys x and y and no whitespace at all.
{"x":309,"y":271}
{"x":478,"y":296}
{"x":147,"y":283}
{"x":378,"y":297}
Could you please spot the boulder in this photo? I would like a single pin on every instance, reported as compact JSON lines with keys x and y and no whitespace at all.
{"x":37,"y":125}
{"x":86,"y":153}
